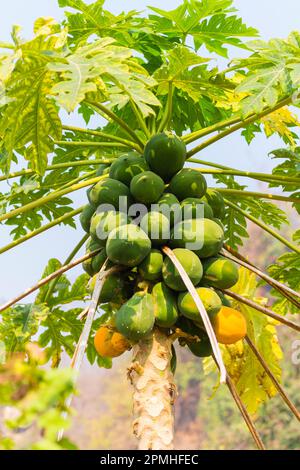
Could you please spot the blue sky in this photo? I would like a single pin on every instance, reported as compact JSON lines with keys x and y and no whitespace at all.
{"x":21,"y":267}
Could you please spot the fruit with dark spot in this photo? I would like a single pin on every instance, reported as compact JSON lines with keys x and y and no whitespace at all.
{"x":188,"y":183}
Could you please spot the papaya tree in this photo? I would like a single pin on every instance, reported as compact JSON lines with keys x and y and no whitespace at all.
{"x":163,"y":262}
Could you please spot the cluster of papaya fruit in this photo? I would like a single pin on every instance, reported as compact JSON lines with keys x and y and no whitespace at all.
{"x":144,"y":203}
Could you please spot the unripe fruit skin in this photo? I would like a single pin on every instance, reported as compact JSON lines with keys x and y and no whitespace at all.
{"x":220,"y":272}
{"x":102,"y":223}
{"x":169,"y":205}
{"x":165,"y":305}
{"x":190,"y":262}
{"x":230,"y":326}
{"x":216,"y":202}
{"x":135,"y":319}
{"x":127,"y":166}
{"x":210,"y":299}
{"x":157,"y":227}
{"x":108,"y":191}
{"x":128,"y":245}
{"x":188,"y":183}
{"x":165,"y":154}
{"x":86,"y":216}
{"x":151,"y":267}
{"x":147,"y":187}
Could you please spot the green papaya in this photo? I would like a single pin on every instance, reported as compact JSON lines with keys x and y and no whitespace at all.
{"x":127,"y":166}
{"x":157,"y":227}
{"x":195,"y":208}
{"x":151,"y":267}
{"x":165,"y":154}
{"x":201,"y":346}
{"x":109,"y":191}
{"x":165,"y":305}
{"x":87,"y":265}
{"x":99,"y":260}
{"x":203,"y":236}
{"x":128,"y":245}
{"x":224,"y":299}
{"x":135,"y":319}
{"x":210,"y":299}
{"x":113,"y":289}
{"x":103,"y":223}
{"x":188,"y":183}
{"x":220,"y":272}
{"x":169,"y":206}
{"x":216,"y":202}
{"x":147,"y":187}
{"x":190,"y":262}
{"x":85,"y":217}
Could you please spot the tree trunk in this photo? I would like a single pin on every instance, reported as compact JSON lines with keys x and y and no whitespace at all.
{"x":154,"y":392}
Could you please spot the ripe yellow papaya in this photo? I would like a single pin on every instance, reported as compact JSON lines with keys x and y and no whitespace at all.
{"x":230,"y":326}
{"x":109,"y":343}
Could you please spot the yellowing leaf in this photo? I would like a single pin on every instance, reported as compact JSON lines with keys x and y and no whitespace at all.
{"x":280,"y":122}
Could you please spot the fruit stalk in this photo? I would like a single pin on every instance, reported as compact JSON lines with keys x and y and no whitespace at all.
{"x":154,"y":392}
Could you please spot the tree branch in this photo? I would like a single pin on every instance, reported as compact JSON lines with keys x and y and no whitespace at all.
{"x":260,"y":308}
{"x":34,"y":233}
{"x":47,"y":279}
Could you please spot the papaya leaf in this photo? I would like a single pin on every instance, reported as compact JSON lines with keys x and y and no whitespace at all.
{"x":253,"y":385}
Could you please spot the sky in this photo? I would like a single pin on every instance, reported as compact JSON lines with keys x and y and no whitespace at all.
{"x":22,"y":267}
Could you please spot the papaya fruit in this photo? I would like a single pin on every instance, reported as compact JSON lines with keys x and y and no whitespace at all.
{"x":169,"y":206}
{"x":165,"y":154}
{"x":98,"y":261}
{"x":165,"y":305}
{"x":110,"y":343}
{"x":190,"y":262}
{"x":200,"y":347}
{"x":210,"y":299}
{"x":216,"y":202}
{"x":85,"y":217}
{"x":128,"y":245}
{"x":195,"y":208}
{"x":113,"y":289}
{"x":135,"y":319}
{"x":203,"y":236}
{"x":87,"y":265}
{"x":157,"y":227}
{"x":147,"y":187}
{"x":151,"y":267}
{"x":188,"y":183}
{"x":230,"y":326}
{"x":127,"y":166}
{"x":109,"y":192}
{"x":220,"y":272}
{"x":103,"y":223}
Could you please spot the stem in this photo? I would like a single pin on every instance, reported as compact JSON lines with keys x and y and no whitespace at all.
{"x":50,"y":197}
{"x":73,"y":253}
{"x":115,"y":138}
{"x":237,"y":258}
{"x":202,"y":312}
{"x":154,"y":390}
{"x":254,"y":194}
{"x":248,"y":421}
{"x":273,"y":378}
{"x":263,"y":226}
{"x":250,"y":174}
{"x":189,"y":138}
{"x":67,"y":143}
{"x":57,"y":166}
{"x":47,"y":279}
{"x":165,"y":122}
{"x":238,"y":126}
{"x":140,"y":119}
{"x":100,"y":107}
{"x":78,"y":355}
{"x":260,"y":308}
{"x":40,"y":230}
